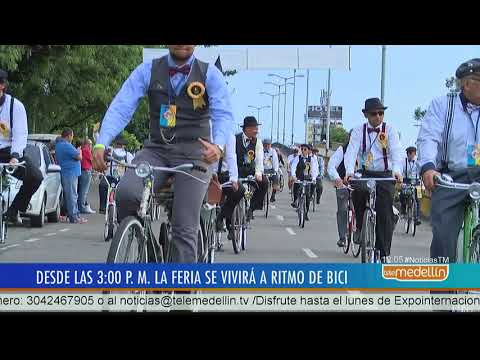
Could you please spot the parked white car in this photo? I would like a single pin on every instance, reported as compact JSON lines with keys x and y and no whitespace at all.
{"x":48,"y":198}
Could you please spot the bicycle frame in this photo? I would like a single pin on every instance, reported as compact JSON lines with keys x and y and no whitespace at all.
{"x":5,"y":169}
{"x":471,"y":228}
{"x":369,"y":248}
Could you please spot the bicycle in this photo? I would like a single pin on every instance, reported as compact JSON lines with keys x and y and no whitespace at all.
{"x":468,"y":245}
{"x":411,"y":215}
{"x":211,"y":236}
{"x":302,"y":201}
{"x":5,"y":169}
{"x":351,"y":226}
{"x":111,"y":222}
{"x":266,"y":200}
{"x":281,"y":180}
{"x":369,"y":222}
{"x":241,"y":220}
{"x":134,"y":241}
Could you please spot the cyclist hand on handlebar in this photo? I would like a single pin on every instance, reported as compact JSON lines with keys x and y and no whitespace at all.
{"x":399,"y":177}
{"x":339,"y":183}
{"x":211,"y":153}
{"x":429,"y":179}
{"x":13,"y":161}
{"x":235,"y":186}
{"x":258,"y":178}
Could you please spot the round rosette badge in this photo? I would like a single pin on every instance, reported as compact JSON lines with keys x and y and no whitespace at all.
{"x":195,"y":91}
{"x":382,"y":138}
{"x":250,"y":155}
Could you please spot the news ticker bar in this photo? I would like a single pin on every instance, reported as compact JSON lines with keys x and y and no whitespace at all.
{"x":239,"y":276}
{"x":238,"y":302}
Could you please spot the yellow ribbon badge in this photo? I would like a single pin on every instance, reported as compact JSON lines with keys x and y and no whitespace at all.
{"x":382,"y":137}
{"x":196,"y":90}
{"x":250,"y":155}
{"x":4,"y":130}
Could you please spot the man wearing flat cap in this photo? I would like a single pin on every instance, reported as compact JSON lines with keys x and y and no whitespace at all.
{"x":13,"y":140}
{"x":448,"y":142}
{"x":250,"y":161}
{"x":377,"y":146}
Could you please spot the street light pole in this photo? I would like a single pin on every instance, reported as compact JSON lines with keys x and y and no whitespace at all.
{"x":278,"y":111}
{"x":273,"y":97}
{"x":382,"y":86}
{"x":258,"y":110}
{"x":293,"y":101}
{"x":306,"y":107}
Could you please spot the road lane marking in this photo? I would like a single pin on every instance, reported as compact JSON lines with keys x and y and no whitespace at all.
{"x":9,"y":246}
{"x":273,"y":206}
{"x":310,"y":253}
{"x":62,"y":230}
{"x":32,"y":240}
{"x":290,"y":231}
{"x":50,"y":234}
{"x":280,"y":218}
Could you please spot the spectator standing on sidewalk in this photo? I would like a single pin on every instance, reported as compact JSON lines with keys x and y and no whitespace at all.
{"x":85,"y":178}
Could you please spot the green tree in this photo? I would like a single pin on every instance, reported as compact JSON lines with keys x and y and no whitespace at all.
{"x":69,"y":85}
{"x":338,"y":134}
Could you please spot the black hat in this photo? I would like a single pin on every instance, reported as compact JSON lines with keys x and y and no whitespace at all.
{"x":411,"y":148}
{"x":250,"y":121}
{"x":469,"y":67}
{"x":373,"y":104}
{"x":3,"y":75}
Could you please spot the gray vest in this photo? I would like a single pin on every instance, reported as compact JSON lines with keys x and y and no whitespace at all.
{"x":190,"y":124}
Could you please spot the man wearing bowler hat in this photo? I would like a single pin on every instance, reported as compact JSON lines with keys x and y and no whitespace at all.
{"x":449,"y":142}
{"x":13,"y":141}
{"x":380,"y":154}
{"x":250,"y":161}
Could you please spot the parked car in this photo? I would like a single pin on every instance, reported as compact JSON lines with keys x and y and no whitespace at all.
{"x":47,"y":199}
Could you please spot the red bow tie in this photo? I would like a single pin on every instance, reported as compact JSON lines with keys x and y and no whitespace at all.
{"x":370,"y":130}
{"x":185,"y":70}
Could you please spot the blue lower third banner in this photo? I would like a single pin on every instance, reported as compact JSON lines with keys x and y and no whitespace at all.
{"x":239,"y":276}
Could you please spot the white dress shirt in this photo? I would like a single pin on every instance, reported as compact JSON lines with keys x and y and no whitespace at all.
{"x":410,"y":169}
{"x":229,"y":162}
{"x":462,"y":134}
{"x":334,"y":163}
{"x":258,"y":154}
{"x":270,"y":160}
{"x":17,"y":138}
{"x":373,"y":145}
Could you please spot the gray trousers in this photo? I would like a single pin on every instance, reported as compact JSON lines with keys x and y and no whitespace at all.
{"x":342,"y":215}
{"x":447,"y":215}
{"x":188,"y":194}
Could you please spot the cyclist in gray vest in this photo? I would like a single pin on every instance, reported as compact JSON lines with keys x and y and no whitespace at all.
{"x":190,"y":121}
{"x":448,"y":142}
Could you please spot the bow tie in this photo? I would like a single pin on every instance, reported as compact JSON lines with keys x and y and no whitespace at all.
{"x":472,"y":107}
{"x":370,"y":130}
{"x":185,"y":70}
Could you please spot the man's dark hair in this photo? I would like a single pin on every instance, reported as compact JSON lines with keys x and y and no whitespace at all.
{"x":67,"y":132}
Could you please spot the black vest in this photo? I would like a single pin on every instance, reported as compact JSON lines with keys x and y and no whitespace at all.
{"x":300,"y":172}
{"x":341,"y":168}
{"x":245,"y":163}
{"x":190,"y":124}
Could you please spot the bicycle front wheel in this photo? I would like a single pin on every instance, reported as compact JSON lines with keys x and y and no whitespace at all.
{"x":367,"y":240}
{"x":129,"y":244}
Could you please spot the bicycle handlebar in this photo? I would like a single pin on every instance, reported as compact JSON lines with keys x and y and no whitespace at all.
{"x":176,"y":169}
{"x":10,"y":168}
{"x":446,"y":183}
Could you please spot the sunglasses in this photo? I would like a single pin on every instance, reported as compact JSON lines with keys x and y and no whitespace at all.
{"x":375,"y":113}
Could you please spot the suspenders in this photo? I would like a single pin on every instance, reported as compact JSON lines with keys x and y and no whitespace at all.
{"x":447,"y":129}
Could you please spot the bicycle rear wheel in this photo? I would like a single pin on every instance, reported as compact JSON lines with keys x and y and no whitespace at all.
{"x":129,"y":244}
{"x":300,"y":211}
{"x":408,"y":217}
{"x":237,"y":220}
{"x":267,"y":200}
{"x":350,"y":227}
